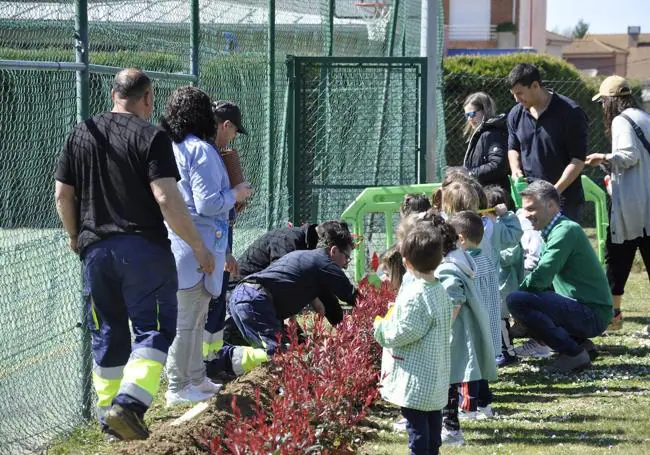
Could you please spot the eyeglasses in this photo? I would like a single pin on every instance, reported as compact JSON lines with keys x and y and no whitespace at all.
{"x":347,"y":256}
{"x":471,"y":114}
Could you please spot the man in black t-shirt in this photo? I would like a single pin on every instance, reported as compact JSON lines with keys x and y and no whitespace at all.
{"x":547,"y":138}
{"x":115,"y":186}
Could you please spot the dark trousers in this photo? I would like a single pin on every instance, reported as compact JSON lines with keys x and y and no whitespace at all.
{"x":423,"y":428}
{"x":252,"y":310}
{"x":572,"y":209}
{"x":450,"y":412}
{"x":475,"y":394}
{"x":129,"y":278}
{"x":215,"y":322}
{"x":556,"y":320}
{"x":619,"y":258}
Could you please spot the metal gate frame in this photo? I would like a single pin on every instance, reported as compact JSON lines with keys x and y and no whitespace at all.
{"x":295,"y":72}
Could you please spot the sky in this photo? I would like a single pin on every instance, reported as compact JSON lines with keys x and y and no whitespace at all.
{"x":603,"y":16}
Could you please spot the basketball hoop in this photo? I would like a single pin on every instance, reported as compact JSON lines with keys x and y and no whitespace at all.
{"x":376,"y":15}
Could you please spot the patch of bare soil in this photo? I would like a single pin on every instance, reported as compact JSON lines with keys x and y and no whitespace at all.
{"x":193,"y":437}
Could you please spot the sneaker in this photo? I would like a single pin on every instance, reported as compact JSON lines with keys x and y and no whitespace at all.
{"x":452,"y":437}
{"x":617,"y":322}
{"x":125,"y":423}
{"x":532,"y":348}
{"x":567,"y":363}
{"x":400,"y":426}
{"x":188,"y":395}
{"x":209,"y":387}
{"x":484,"y":412}
{"x":467,"y":415}
{"x":591,"y":349}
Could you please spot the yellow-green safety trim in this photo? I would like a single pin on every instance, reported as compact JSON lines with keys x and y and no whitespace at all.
{"x":144,"y":373}
{"x":106,"y":389}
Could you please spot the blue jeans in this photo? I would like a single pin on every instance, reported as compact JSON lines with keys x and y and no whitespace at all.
{"x":560,"y":322}
{"x":253,"y":312}
{"x":423,"y":428}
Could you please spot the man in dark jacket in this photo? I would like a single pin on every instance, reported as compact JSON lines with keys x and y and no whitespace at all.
{"x":265,"y":250}
{"x":261,"y":302}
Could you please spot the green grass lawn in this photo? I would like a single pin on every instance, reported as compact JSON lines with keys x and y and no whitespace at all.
{"x":604,"y":409}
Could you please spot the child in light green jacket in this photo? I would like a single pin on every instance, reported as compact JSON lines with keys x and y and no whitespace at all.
{"x":415,"y":337}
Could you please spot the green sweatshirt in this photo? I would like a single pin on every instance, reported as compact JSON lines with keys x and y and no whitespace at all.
{"x":569,"y":263}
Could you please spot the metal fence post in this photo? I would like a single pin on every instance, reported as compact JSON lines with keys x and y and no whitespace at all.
{"x":271,"y":117}
{"x":429,"y":48}
{"x":82,"y":87}
{"x":293,"y":134}
{"x":421,"y":165}
{"x":195,"y":39}
{"x":81,"y":56}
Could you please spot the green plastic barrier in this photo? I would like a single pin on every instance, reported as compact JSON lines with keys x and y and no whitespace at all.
{"x":388,"y":199}
{"x":380,"y":199}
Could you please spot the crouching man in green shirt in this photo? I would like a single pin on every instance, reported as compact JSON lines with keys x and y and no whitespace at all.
{"x":581,"y":306}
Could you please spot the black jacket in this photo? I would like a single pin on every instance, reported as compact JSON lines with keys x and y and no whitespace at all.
{"x":299,"y":277}
{"x":487,"y":153}
{"x":275,"y":244}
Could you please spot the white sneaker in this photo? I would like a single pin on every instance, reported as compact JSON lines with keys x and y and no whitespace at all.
{"x":485,"y":412}
{"x":400,"y":426}
{"x":452,"y":438}
{"x":188,"y":395}
{"x":467,"y":415}
{"x":209,"y":387}
{"x":532,"y":348}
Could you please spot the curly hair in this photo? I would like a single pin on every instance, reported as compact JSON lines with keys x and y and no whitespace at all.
{"x":189,"y":111}
{"x":613,"y":106}
{"x":334,"y":233}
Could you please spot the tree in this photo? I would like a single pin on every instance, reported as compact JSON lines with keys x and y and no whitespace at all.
{"x":580,"y":30}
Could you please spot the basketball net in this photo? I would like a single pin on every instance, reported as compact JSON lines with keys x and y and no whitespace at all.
{"x":376,"y":17}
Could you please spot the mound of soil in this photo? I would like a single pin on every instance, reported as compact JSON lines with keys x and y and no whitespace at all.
{"x":193,"y":437}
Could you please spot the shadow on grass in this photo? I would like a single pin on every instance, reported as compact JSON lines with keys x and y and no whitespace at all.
{"x":643,"y":320}
{"x":605,"y":350}
{"x":548,"y":437}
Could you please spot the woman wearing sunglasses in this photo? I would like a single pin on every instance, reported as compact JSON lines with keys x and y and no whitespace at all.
{"x":487,"y":141}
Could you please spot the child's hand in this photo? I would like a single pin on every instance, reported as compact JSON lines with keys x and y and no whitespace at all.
{"x":500,"y":209}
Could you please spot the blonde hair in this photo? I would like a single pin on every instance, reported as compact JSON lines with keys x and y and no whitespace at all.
{"x":392,"y":265}
{"x":459,"y":196}
{"x":452,"y":174}
{"x":483,"y":102}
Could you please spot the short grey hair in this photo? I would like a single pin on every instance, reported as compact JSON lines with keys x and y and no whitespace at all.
{"x":542,"y":190}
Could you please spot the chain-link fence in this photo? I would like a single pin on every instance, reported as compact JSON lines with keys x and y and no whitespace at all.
{"x":458,"y":87}
{"x":353,"y":124}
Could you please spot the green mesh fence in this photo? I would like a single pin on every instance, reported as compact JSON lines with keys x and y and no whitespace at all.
{"x":43,"y":359}
{"x":354,"y":124}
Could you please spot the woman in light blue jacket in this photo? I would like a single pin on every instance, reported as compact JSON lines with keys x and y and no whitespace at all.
{"x":206,"y":190}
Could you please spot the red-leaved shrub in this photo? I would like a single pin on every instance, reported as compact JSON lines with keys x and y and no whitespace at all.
{"x":322,"y":387}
